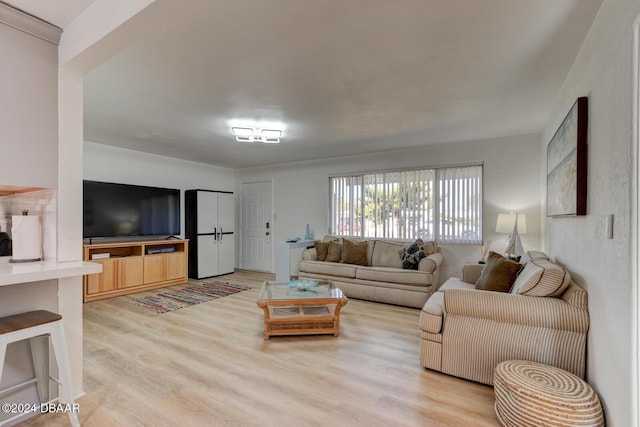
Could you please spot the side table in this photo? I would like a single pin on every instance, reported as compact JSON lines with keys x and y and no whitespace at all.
{"x":531,"y":394}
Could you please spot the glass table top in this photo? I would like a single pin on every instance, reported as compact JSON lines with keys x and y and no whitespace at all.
{"x":280,"y":291}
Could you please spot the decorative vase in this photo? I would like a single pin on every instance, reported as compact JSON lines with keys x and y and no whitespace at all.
{"x":307,"y":235}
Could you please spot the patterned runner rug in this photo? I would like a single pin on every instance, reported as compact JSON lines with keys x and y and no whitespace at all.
{"x":195,"y":294}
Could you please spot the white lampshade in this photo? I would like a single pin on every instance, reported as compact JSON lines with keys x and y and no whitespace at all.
{"x":507,"y":221}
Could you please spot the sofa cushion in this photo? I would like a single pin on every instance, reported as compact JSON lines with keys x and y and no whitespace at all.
{"x":394,"y":275}
{"x":354,"y":252}
{"x":334,"y":253}
{"x":430,"y":247}
{"x":432,"y":313}
{"x":455,"y":283}
{"x":322,"y":250}
{"x":542,"y":278}
{"x":387,"y":254}
{"x":498,"y":274}
{"x":327,"y":268}
{"x":412,"y":254}
{"x":532,"y":255}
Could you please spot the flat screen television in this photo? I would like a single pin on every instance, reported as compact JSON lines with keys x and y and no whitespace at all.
{"x":118,"y":210}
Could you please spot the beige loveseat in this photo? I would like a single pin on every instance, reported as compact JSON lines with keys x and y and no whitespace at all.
{"x":544,"y":318}
{"x":383,"y":279}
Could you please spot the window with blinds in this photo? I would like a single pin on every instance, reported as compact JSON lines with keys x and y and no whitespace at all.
{"x":443,"y":204}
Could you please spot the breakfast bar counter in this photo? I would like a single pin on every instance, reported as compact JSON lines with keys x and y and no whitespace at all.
{"x":15,"y":273}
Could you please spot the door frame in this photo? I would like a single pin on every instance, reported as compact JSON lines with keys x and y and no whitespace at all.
{"x":635,"y":224}
{"x":241,"y":216}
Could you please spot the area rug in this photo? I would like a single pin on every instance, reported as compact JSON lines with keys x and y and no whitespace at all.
{"x":166,"y":301}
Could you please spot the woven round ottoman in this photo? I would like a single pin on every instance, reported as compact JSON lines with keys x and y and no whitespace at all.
{"x":533,"y":394}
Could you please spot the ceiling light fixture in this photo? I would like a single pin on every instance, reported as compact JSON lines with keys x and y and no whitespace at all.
{"x":240,"y":131}
{"x":249,"y":138}
{"x":251,"y":134}
{"x":271,"y":133}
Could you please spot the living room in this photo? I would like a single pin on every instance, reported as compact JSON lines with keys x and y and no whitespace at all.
{"x":514,"y":179}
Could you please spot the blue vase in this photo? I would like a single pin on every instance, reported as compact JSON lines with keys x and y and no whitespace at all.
{"x":307,"y":235}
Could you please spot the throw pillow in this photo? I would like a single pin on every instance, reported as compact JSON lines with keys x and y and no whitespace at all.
{"x":385,"y":253}
{"x":542,"y":278}
{"x":532,"y":256}
{"x":354,"y":252}
{"x":334,"y":253}
{"x":412,"y":254}
{"x":322,"y":249}
{"x":498,"y":274}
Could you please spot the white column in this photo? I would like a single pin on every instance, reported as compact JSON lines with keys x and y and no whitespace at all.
{"x":70,"y":131}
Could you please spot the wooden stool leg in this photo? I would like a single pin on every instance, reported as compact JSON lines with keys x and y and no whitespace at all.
{"x":40,"y":358}
{"x":60,"y":348}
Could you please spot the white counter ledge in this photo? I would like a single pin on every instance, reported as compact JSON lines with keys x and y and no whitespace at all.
{"x":15,"y":273}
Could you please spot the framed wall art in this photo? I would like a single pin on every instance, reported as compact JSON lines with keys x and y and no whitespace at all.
{"x":567,"y":164}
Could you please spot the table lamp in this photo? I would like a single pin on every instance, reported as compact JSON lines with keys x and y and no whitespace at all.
{"x":512,"y":224}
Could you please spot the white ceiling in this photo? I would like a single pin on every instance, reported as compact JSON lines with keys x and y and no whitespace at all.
{"x":344,"y":76}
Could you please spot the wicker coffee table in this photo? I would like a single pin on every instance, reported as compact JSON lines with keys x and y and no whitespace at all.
{"x":290,"y":311}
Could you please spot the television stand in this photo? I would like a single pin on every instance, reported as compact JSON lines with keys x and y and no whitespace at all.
{"x":135,"y":266}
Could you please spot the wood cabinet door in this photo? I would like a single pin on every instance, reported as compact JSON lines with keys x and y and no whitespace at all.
{"x":154,"y":268}
{"x":176,"y":266}
{"x":105,"y":281}
{"x":131,"y":271}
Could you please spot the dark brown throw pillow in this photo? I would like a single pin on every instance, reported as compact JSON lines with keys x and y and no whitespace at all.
{"x":354,"y":252}
{"x":322,"y":249}
{"x":335,"y":251}
{"x":498,"y":274}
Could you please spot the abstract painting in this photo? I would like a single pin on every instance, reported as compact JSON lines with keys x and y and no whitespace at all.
{"x":567,"y":164}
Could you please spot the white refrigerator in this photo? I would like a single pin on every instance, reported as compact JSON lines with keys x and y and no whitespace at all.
{"x":209,"y":226}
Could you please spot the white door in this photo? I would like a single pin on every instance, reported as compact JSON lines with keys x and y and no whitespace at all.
{"x":256,"y":226}
{"x":208,"y":249}
{"x":207,"y":211}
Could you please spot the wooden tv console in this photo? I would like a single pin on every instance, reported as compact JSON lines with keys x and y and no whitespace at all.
{"x":129,"y":267}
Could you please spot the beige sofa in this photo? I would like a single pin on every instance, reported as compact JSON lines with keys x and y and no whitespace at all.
{"x":383,"y":279}
{"x":467,"y":332}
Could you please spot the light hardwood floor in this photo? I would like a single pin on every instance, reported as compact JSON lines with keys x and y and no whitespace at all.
{"x":208,"y":365}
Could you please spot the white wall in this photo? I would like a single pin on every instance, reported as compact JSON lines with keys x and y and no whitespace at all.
{"x":602,"y":71}
{"x":29,"y":110}
{"x":30,"y":150}
{"x":512,"y":177}
{"x":112,"y":164}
